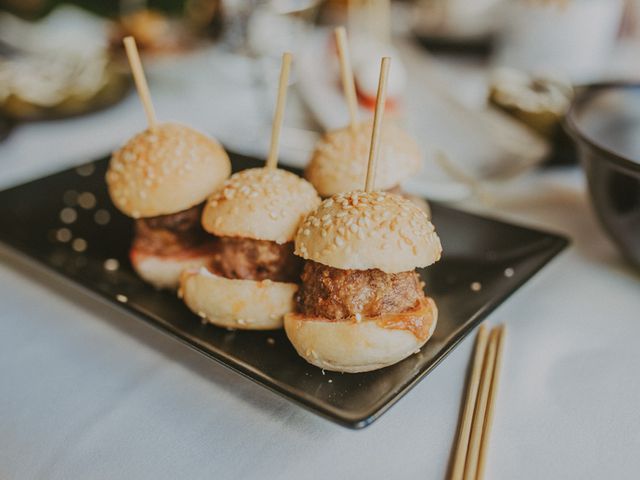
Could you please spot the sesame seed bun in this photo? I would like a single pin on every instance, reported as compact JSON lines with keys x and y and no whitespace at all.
{"x":242,"y":304}
{"x":260,"y":203}
{"x":421,"y":203}
{"x":339,"y":161}
{"x":351,"y":346}
{"x":365,"y":230}
{"x":164,"y":272}
{"x":165,"y":170}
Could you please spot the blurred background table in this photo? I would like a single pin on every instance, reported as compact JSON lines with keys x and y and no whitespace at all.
{"x":86,"y":392}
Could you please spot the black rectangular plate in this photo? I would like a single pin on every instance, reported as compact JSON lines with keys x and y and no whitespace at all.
{"x":484,"y":262}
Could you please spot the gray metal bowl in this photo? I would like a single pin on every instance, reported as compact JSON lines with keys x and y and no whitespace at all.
{"x":604,"y":122}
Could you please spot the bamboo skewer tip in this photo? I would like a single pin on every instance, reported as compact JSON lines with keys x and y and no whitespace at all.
{"x":140,"y":80}
{"x":346,"y":75}
{"x":381,"y":98}
{"x":272,"y":159}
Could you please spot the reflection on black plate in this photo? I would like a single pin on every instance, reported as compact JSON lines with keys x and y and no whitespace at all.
{"x":484,"y":262}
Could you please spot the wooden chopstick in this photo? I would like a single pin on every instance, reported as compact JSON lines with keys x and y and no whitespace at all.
{"x":471,"y":466}
{"x":470,"y":404}
{"x":477,"y":416}
{"x":495,"y":378}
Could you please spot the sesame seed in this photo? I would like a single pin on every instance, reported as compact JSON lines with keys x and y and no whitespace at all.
{"x":79,"y":245}
{"x":102,"y":217}
{"x":87,"y":200}
{"x":111,"y":264}
{"x":63,"y":235}
{"x":68,"y":215}
{"x":86,"y":170}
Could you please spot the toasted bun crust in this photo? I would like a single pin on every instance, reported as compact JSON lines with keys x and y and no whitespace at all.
{"x":364,"y":230}
{"x":421,"y":203}
{"x":242,"y":304}
{"x":260,"y":203}
{"x":165,"y":171}
{"x":349,"y":346}
{"x":339,"y":162}
{"x":164,"y":272}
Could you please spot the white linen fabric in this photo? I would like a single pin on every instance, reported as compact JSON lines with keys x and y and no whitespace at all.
{"x":89,"y":392}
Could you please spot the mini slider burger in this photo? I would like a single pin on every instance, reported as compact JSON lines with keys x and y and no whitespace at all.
{"x":161,"y":178}
{"x":251,"y":281}
{"x":339,"y":161}
{"x":361,"y":305}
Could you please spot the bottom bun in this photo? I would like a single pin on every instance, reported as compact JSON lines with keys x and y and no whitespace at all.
{"x":232,"y":303}
{"x":372,"y":343}
{"x":164,"y":271}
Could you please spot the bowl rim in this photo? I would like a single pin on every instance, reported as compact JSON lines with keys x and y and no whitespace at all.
{"x":586,"y":93}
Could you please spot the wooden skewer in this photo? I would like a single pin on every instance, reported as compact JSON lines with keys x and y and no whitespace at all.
{"x":346,"y":73}
{"x":140,"y":80}
{"x":493,"y":391}
{"x":384,"y":20}
{"x":471,"y":396}
{"x":381,"y":98}
{"x":272,"y":159}
{"x":471,"y":467}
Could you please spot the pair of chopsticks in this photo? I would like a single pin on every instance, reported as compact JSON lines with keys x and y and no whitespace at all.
{"x":475,"y":424}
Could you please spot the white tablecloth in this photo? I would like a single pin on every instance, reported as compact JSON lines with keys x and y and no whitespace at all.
{"x":88,"y":392}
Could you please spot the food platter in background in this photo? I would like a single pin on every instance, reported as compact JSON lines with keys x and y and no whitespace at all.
{"x":57,"y":67}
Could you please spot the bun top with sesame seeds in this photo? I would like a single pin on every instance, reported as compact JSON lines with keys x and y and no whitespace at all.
{"x":365,"y":230}
{"x":339,"y":161}
{"x":260,"y":203}
{"x":165,"y":170}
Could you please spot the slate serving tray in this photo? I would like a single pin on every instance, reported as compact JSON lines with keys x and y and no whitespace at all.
{"x":67,"y":223}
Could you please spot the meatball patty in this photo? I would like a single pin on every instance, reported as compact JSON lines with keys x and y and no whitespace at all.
{"x":171,"y":234}
{"x":249,"y":259}
{"x":340,"y":294}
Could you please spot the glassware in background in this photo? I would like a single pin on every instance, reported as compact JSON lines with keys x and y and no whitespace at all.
{"x":455,"y":22}
{"x":570,"y":37}
{"x":259,"y":28}
{"x":236,"y":24}
{"x":271,"y":27}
